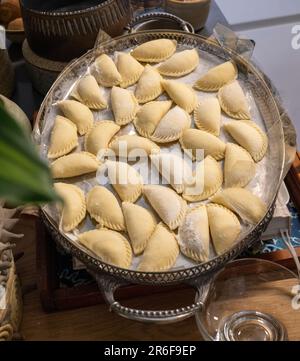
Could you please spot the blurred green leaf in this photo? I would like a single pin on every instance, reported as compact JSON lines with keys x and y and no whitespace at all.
{"x":24,"y":176}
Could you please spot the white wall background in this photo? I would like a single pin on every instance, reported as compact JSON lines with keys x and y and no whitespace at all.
{"x":270,"y":23}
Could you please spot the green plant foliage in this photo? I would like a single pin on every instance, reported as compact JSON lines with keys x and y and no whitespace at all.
{"x":24,"y":177}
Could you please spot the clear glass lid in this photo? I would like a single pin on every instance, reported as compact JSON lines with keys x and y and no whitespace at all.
{"x":252,"y":300}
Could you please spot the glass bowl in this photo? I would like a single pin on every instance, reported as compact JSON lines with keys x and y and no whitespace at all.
{"x":252,"y":300}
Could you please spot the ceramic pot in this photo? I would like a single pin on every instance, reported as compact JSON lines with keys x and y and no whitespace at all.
{"x":193,"y":11}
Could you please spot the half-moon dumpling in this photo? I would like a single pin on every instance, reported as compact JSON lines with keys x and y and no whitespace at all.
{"x":193,"y":234}
{"x":126,"y":181}
{"x":87,"y":91}
{"x":154,"y":51}
{"x":249,"y":136}
{"x":149,"y":85}
{"x":129,"y":68}
{"x":168,"y":204}
{"x":161,"y":251}
{"x":217,"y":77}
{"x":239,"y":167}
{"x":140,"y":224}
{"x":133,"y":146}
{"x":171,"y":125}
{"x":110,"y":246}
{"x":181,"y":94}
{"x":208,"y":180}
{"x":124,"y":105}
{"x":224,"y":227}
{"x":193,"y":140}
{"x":63,"y":137}
{"x":73,"y":209}
{"x":100,"y":135}
{"x":180,"y":64}
{"x":174,"y":170}
{"x":149,"y":115}
{"x":241,"y":201}
{"x":207,"y":116}
{"x":74,"y":164}
{"x":104,"y":207}
{"x":78,"y":113}
{"x":233,"y":101}
{"x":106,"y":72}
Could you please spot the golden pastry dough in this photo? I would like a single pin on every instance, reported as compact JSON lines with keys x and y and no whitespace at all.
{"x":74,"y":164}
{"x":87,"y":91}
{"x":209,"y":177}
{"x":168,"y":204}
{"x":73,"y":209}
{"x":104,"y":207}
{"x":241,"y":201}
{"x":171,"y":126}
{"x":149,"y":115}
{"x":126,"y":181}
{"x":239,"y":166}
{"x":194,"y":139}
{"x":124,"y":105}
{"x":63,"y":137}
{"x":207,"y":116}
{"x":155,"y":51}
{"x":106,"y":72}
{"x":140,"y":224}
{"x":182,"y":94}
{"x":133,"y":146}
{"x":110,"y":246}
{"x":249,"y":136}
{"x":149,"y":85}
{"x":193,"y":234}
{"x":161,"y":251}
{"x":217,"y":77}
{"x":78,"y":113}
{"x":233,"y":101}
{"x":129,"y":68}
{"x":180,"y":64}
{"x":100,"y":135}
{"x":174,"y":170}
{"x":224,"y":227}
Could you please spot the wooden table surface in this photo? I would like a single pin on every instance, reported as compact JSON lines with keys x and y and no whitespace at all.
{"x":98,"y":323}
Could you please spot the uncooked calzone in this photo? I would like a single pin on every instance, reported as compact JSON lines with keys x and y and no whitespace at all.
{"x":106,"y":72}
{"x":126,"y":181}
{"x":193,"y":141}
{"x":104,"y":207}
{"x":87,"y":91}
{"x":224,"y":227}
{"x":78,"y":113}
{"x":73,"y":209}
{"x":154,"y":51}
{"x":63,"y":137}
{"x":124,"y":105}
{"x":140,"y":224}
{"x":217,"y":77}
{"x":161,"y":251}
{"x":110,"y":246}
{"x":193,"y":234}
{"x":74,"y":164}
{"x":168,"y":204}
{"x":180,"y":63}
{"x":233,"y":101}
{"x":249,"y":136}
{"x":241,"y":201}
{"x":149,"y":85}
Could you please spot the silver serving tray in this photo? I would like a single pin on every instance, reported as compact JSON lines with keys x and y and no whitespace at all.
{"x":110,"y":277}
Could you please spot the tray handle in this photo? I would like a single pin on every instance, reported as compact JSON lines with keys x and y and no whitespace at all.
{"x":108,"y":285}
